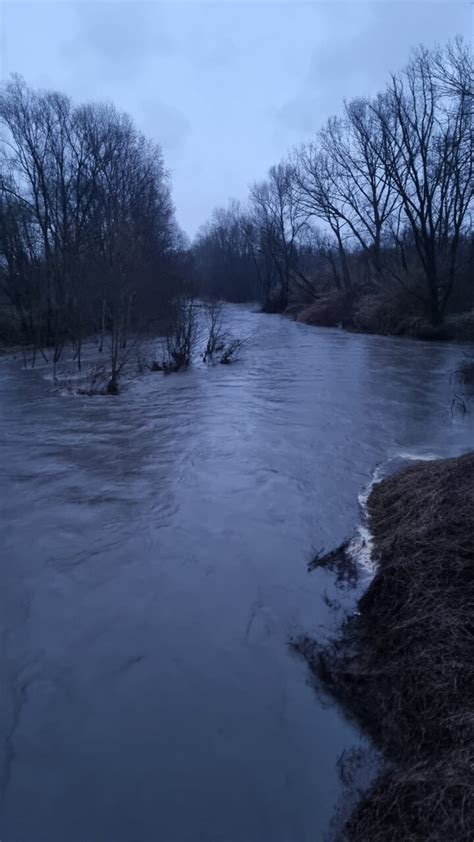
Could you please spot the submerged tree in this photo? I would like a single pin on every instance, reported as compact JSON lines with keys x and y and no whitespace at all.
{"x":88,"y":239}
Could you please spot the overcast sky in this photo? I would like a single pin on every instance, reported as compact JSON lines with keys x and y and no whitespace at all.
{"x":225,"y":87}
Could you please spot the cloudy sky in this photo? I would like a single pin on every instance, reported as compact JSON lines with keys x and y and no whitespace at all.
{"x":226,"y":87}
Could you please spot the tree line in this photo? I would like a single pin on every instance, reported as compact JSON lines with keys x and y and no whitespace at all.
{"x":379,"y":200}
{"x":88,"y":237}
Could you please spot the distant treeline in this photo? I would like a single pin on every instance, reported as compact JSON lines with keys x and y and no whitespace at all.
{"x":376,"y":207}
{"x":88,"y":238}
{"x":379,"y":202}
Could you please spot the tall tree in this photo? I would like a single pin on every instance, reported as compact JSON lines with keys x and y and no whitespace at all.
{"x":425,"y":117}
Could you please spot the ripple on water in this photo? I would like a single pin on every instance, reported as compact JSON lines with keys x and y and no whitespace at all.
{"x":154,"y":566}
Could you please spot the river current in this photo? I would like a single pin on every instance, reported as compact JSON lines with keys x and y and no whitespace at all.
{"x":154,"y":567}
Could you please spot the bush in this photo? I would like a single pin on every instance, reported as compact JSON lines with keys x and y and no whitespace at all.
{"x":182,"y":336}
{"x":330,"y":310}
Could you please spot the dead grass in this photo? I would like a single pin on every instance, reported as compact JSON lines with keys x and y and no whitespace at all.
{"x":403,"y":666}
{"x":330,"y":310}
{"x":385,"y":312}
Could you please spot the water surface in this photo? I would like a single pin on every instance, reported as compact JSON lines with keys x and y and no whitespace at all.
{"x":154,"y":550}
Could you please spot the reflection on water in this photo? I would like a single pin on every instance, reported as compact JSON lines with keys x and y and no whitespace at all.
{"x":154,"y":566}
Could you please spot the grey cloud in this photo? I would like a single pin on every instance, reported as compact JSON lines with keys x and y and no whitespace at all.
{"x":121,"y":36}
{"x":367,"y":43}
{"x":220,"y":54}
{"x":300,"y":115}
{"x":166,"y":123}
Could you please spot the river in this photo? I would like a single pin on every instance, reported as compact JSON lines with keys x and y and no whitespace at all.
{"x":154,"y":552}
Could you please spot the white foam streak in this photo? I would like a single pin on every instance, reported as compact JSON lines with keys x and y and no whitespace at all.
{"x":362,"y":544}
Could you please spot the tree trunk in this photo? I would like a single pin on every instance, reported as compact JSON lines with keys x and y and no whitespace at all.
{"x":436,"y":314}
{"x":435,"y":310}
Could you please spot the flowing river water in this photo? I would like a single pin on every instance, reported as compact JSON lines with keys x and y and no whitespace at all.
{"x":154,"y":549}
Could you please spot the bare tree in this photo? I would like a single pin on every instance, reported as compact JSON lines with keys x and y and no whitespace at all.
{"x":362,"y":197}
{"x":225,"y":253}
{"x":315,"y":174}
{"x":182,"y":336}
{"x":88,"y":240}
{"x":425,"y":116}
{"x":379,"y":203}
{"x":281,"y":219}
{"x":216,"y":335}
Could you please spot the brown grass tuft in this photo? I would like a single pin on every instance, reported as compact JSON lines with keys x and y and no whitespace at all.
{"x":404,"y":664}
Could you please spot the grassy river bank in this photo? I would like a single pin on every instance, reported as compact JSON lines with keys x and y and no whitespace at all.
{"x":403,"y":664}
{"x":383,"y":315}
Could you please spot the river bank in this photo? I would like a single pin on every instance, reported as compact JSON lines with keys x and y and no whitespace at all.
{"x":379,"y":314}
{"x":403,"y":664}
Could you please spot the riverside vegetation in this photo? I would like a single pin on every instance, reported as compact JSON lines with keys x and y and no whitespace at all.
{"x":403,"y":664}
{"x":368,"y":224}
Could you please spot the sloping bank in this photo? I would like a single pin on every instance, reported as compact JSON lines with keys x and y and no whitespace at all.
{"x":403,"y":665}
{"x":380,"y":314}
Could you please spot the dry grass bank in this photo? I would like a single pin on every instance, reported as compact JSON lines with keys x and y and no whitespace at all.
{"x":391,"y":315}
{"x":403,"y":666}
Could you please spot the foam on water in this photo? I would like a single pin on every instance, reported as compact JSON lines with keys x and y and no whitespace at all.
{"x":416,"y":456}
{"x":362,"y":544}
